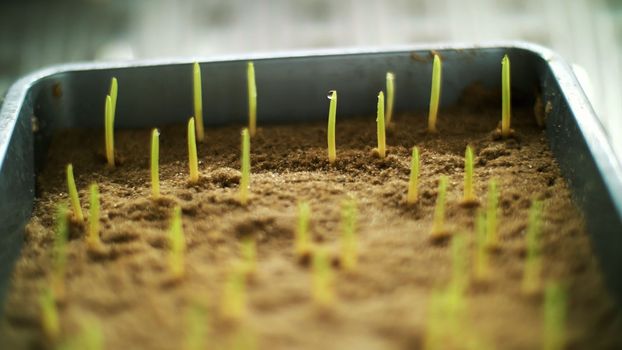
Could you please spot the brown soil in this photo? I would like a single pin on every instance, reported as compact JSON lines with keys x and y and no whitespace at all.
{"x":380,"y":305}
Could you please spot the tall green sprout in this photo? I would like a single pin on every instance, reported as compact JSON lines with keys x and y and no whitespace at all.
{"x":533,"y":261}
{"x":193,"y":161}
{"x":198,"y":100}
{"x":505,"y":97}
{"x":303,"y":240}
{"x":380,"y":128}
{"x":92,"y":239}
{"x":50,"y":323}
{"x":348,"y":235}
{"x":435,"y":94}
{"x":390,"y":96}
{"x":252,"y":98}
{"x":109,"y":116}
{"x":245,"y":179}
{"x":177,"y":245}
{"x":413,"y":181}
{"x":438,"y":224}
{"x":155,"y":160}
{"x":469,"y":196}
{"x":554,"y":331}
{"x":73,"y":194}
{"x":332,"y":120}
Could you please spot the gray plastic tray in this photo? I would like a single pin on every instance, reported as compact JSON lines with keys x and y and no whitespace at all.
{"x":293,"y":87}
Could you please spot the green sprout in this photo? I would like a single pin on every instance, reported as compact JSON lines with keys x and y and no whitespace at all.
{"x":193,"y":161}
{"x":59,"y":262}
{"x":492,"y":209}
{"x":90,"y":337}
{"x":533,"y":263}
{"x":554,"y":331}
{"x":177,"y":245}
{"x":234,"y":294}
{"x":482,"y":269}
{"x":245,"y":179}
{"x":73,"y":194}
{"x":445,"y":322}
{"x":390,"y":96}
{"x":439,"y":232}
{"x":198,"y":100}
{"x":322,"y":279}
{"x":114,"y":89}
{"x":92,"y":239}
{"x":303,"y":240}
{"x":505,"y":97}
{"x":413,"y":181}
{"x":109,"y":115}
{"x":380,"y":128}
{"x":252,"y":98}
{"x":435,"y":94}
{"x":459,"y":260}
{"x":249,"y":253}
{"x":195,"y":330}
{"x":155,"y":161}
{"x":50,"y":323}
{"x":469,"y":196}
{"x":348,"y":235}
{"x":332,"y":120}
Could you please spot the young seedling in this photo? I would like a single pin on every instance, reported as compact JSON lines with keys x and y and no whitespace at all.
{"x":459,"y":259}
{"x":444,"y":328}
{"x":193,"y":161}
{"x":177,"y":245}
{"x":59,"y":262}
{"x":303,"y":240}
{"x":109,"y":115}
{"x":322,"y":279}
{"x":349,"y":254}
{"x":73,"y":195}
{"x":492,"y":209}
{"x":482,"y":269}
{"x":234,"y":294}
{"x":249,"y":253}
{"x":413,"y":181}
{"x":195,"y":331}
{"x":435,"y":94}
{"x":252,"y":98}
{"x":469,"y":197}
{"x":390,"y":96}
{"x":332,"y":120}
{"x":554,"y":331}
{"x":49,"y":316}
{"x":380,"y":128}
{"x":114,"y":89}
{"x":533,"y":263}
{"x":505,"y":97}
{"x":198,"y":100}
{"x":155,"y":161}
{"x":92,"y":238}
{"x":439,"y":233}
{"x":245,"y":179}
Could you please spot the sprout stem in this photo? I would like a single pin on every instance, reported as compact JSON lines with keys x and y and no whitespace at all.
{"x":533,"y":261}
{"x":469,"y":192}
{"x":155,"y":160}
{"x":196,"y":324}
{"x":303,"y":241}
{"x":198,"y":100}
{"x":109,"y":131}
{"x":482,"y":269}
{"x":380,"y":128}
{"x":323,"y":294}
{"x":73,"y":194}
{"x":390,"y":96}
{"x":234,"y":294}
{"x":492,"y":241}
{"x":332,"y":119}
{"x":177,"y":245}
{"x":114,"y":88}
{"x":252,"y":98}
{"x":435,"y":94}
{"x":93,"y":241}
{"x":505,"y":97}
{"x":438,"y":225}
{"x":49,"y":316}
{"x":554,"y":317}
{"x":193,"y":161}
{"x":245,"y":179}
{"x":59,"y":263}
{"x":460,"y":274}
{"x":349,"y":253}
{"x":413,"y":181}
{"x":249,"y":253}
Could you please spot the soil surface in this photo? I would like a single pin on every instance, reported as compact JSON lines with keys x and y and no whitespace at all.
{"x":382,"y":304}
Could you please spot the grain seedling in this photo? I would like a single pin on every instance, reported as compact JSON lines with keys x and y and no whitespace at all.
{"x":349,"y":254}
{"x":249,"y":253}
{"x":533,"y":262}
{"x":198,"y":100}
{"x":413,"y":180}
{"x":302,"y":246}
{"x":505,"y":97}
{"x":482,"y":269}
{"x":380,"y":128}
{"x":252,"y":98}
{"x":155,"y":163}
{"x":50,"y":323}
{"x":492,"y":209}
{"x":109,"y":115}
{"x":245,"y":178}
{"x":554,"y":332}
{"x":469,"y":196}
{"x":332,"y":120}
{"x":196,"y":326}
{"x":193,"y":161}
{"x":59,"y":262}
{"x":92,"y":238}
{"x":390,"y":96}
{"x":114,"y":89}
{"x":73,"y":194}
{"x":177,"y":245}
{"x":439,"y":232}
{"x":435,"y":93}
{"x":322,"y":279}
{"x":234,"y":294}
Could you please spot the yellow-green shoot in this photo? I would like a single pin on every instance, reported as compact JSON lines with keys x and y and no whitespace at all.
{"x":92,"y":238}
{"x":198,"y":100}
{"x":114,"y":89}
{"x":482,"y":269}
{"x":492,"y":209}
{"x":435,"y":94}
{"x":469,"y":196}
{"x":554,"y":331}
{"x":59,"y":262}
{"x":155,"y":163}
{"x":303,"y":240}
{"x":380,"y":128}
{"x":109,"y":131}
{"x":193,"y":161}
{"x":459,"y":259}
{"x":445,"y":322}
{"x":234,"y":294}
{"x":73,"y":194}
{"x":50,"y":323}
{"x":533,"y":262}
{"x":177,"y":245}
{"x":252,"y":98}
{"x":245,"y":178}
{"x":505,"y":97}
{"x":390,"y":96}
{"x":413,"y":181}
{"x":349,"y":253}
{"x":438,"y":224}
{"x":322,"y":279}
{"x":249,"y":253}
{"x":195,"y":330}
{"x":332,"y":120}
{"x":90,"y":337}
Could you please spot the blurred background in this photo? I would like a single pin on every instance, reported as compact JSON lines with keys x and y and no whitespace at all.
{"x":38,"y":33}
